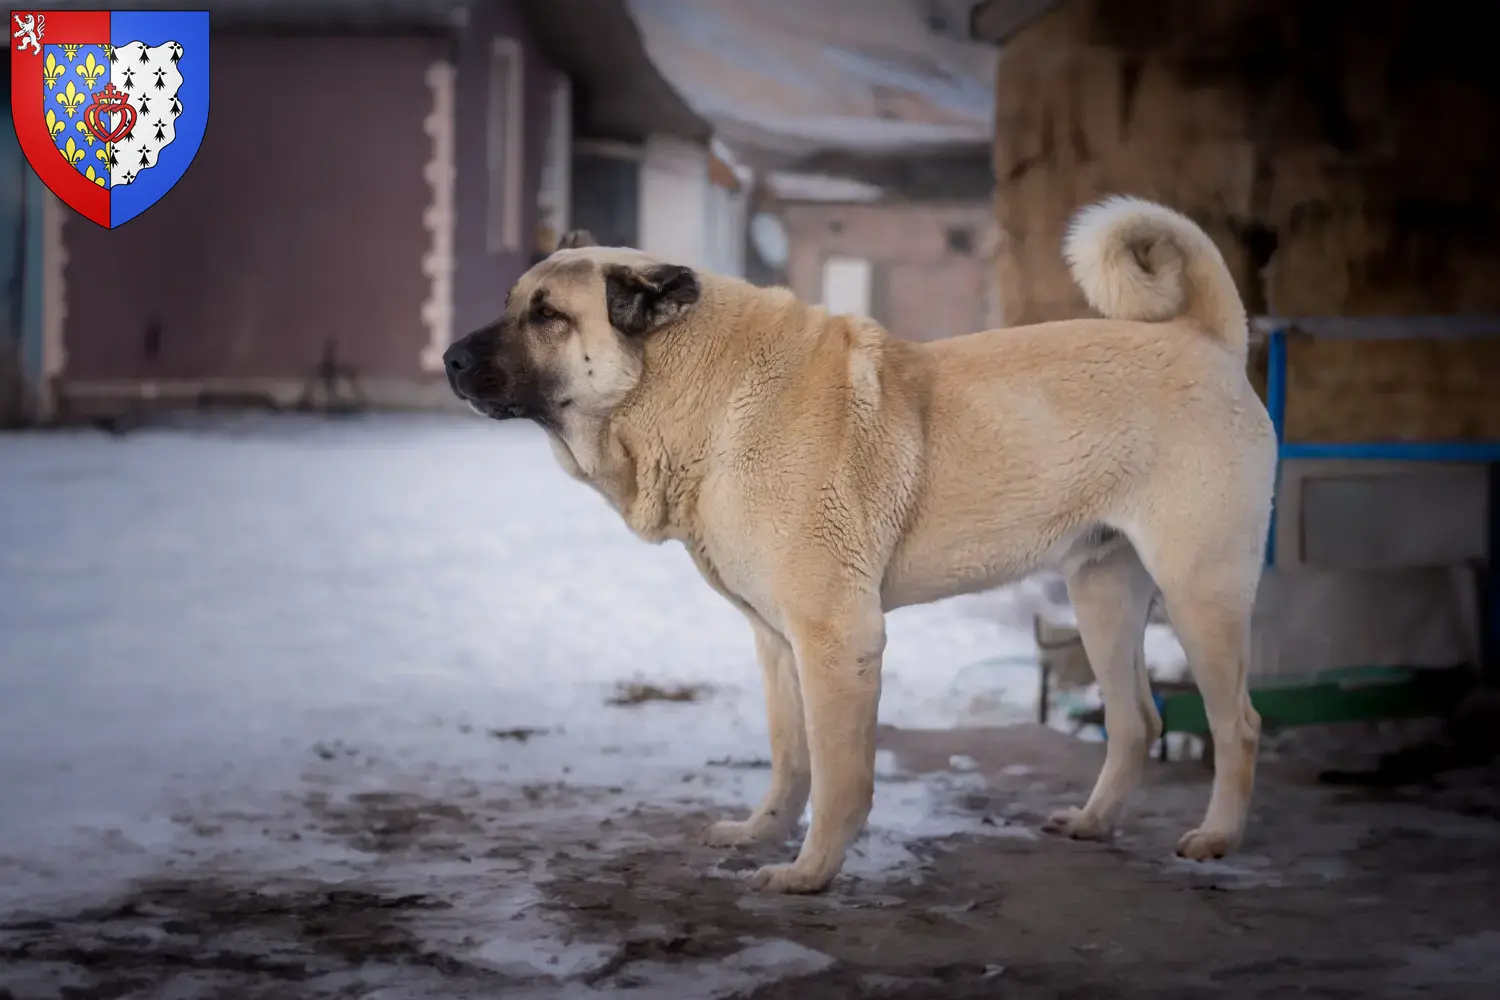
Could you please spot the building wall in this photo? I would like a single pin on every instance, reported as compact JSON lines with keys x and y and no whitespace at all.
{"x":724,"y":231}
{"x":282,"y":237}
{"x":661,"y":196}
{"x":26,"y":364}
{"x":674,"y":200}
{"x":484,"y":276}
{"x":1342,"y":153}
{"x":12,"y":385}
{"x":13,"y":173}
{"x":933,"y":263}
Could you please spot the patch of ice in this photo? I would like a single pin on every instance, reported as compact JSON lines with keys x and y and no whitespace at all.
{"x":1242,"y":871}
{"x":540,"y":952}
{"x":758,"y":962}
{"x":910,"y":815}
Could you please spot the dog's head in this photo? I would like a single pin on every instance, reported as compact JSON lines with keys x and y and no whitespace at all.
{"x":572,"y":337}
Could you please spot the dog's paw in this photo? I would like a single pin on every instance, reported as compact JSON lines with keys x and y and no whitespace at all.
{"x":1076,"y":824}
{"x":789,"y":879}
{"x":1206,"y":845}
{"x":742,"y":833}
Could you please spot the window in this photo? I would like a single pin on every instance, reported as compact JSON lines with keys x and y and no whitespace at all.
{"x":605,"y":195}
{"x":847,"y":285}
{"x":503,"y":159}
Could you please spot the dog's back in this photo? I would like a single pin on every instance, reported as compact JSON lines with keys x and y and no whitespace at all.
{"x":1067,"y":425}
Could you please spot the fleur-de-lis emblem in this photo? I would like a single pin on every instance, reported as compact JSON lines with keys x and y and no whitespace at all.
{"x":109,"y":52}
{"x":55,"y":124}
{"x":96,"y":178}
{"x":82,"y":129}
{"x":71,"y":51}
{"x":91,"y":70}
{"x":51,"y":70}
{"x":106,"y":155}
{"x":72,"y":152}
{"x":71,"y":98}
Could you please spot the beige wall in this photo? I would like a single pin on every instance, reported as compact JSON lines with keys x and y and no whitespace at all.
{"x":1342,"y":153}
{"x":924,"y":289}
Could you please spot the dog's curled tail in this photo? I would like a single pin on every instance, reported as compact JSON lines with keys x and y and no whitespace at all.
{"x":1138,"y":260}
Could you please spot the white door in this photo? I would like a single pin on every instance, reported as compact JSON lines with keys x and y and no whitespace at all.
{"x":846,"y":285}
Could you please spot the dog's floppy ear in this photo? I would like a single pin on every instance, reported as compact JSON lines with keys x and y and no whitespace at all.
{"x":577,"y":238}
{"x":645,"y":300}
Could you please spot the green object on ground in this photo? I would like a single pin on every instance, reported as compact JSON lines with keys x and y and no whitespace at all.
{"x":1349,"y":694}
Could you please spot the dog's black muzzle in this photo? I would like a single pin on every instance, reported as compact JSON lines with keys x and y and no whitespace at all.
{"x":476,"y":378}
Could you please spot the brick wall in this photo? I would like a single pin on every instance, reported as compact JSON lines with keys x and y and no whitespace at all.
{"x":933,"y":263}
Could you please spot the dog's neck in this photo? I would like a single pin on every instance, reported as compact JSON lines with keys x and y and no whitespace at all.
{"x":648,"y":456}
{"x":636,"y":469}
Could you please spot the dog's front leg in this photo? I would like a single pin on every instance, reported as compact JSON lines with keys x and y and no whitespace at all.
{"x":838,"y":666}
{"x":777,"y":814}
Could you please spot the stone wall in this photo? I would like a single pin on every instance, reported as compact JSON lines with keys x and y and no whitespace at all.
{"x":1344,"y":155}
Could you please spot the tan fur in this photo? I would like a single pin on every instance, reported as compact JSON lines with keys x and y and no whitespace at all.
{"x":821,"y":473}
{"x":1136,"y":260}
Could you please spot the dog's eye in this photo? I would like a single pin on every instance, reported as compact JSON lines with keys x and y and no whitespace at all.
{"x":547,"y":313}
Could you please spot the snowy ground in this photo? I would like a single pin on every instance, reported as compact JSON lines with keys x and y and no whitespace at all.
{"x":228,"y":649}
{"x":292,"y":710}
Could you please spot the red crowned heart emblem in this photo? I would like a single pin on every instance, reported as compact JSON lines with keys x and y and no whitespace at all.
{"x":109,"y":101}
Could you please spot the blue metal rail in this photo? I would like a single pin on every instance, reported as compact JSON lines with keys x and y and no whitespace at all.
{"x":1477,"y":452}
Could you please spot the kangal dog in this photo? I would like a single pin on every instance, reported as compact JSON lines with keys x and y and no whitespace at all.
{"x":822,"y":473}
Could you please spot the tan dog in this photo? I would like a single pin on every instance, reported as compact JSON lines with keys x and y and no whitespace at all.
{"x":822,"y":473}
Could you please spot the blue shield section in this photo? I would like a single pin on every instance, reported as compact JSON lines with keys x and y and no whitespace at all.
{"x":189,"y":29}
{"x":72,"y":77}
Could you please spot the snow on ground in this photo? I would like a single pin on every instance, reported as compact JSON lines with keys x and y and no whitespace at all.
{"x":209,"y":633}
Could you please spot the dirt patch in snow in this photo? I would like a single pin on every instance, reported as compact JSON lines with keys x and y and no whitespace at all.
{"x":209,"y":939}
{"x":567,"y":892}
{"x":639,"y":693}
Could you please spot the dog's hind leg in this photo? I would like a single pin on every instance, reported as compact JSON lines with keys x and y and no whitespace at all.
{"x":839,"y":653}
{"x":791,"y":778}
{"x":1112,"y":598}
{"x":1210,"y":594}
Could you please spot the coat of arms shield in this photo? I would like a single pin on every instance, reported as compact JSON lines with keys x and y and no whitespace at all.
{"x":109,"y":106}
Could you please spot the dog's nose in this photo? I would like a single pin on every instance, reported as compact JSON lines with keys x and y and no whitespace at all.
{"x":459,"y":358}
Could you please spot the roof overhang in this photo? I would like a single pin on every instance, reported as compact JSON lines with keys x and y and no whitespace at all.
{"x":998,"y":21}
{"x":947,"y":174}
{"x":792,"y":79}
{"x":619,"y":93}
